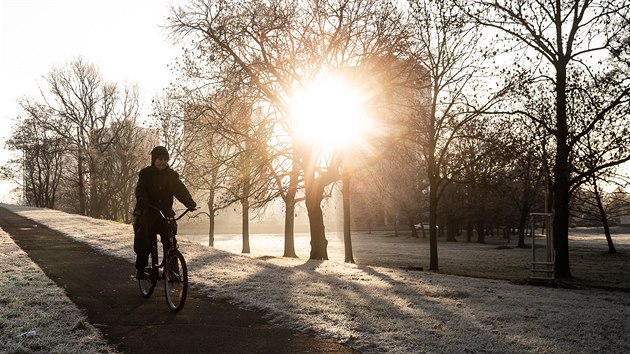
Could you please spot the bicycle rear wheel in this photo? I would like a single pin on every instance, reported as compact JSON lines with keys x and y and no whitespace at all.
{"x":148,"y":284}
{"x":175,"y":280}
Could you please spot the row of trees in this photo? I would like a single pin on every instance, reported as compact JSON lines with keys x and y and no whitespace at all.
{"x":472,"y":102}
{"x":80,"y":144}
{"x":561,"y":90}
{"x":576,"y":88}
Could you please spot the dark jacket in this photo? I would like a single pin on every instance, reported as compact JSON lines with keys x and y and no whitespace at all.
{"x":158,"y":188}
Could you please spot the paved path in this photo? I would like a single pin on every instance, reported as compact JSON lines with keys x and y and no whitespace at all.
{"x":104,"y":288}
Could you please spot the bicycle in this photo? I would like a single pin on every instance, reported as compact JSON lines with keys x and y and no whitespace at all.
{"x":172,"y":268}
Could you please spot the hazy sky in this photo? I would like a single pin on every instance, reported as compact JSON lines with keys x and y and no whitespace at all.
{"x":122,"y":37}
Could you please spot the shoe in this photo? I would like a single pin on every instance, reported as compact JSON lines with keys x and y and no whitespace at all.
{"x":140,"y":274}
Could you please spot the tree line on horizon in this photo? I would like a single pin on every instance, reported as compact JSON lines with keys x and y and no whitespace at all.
{"x":483,"y":111}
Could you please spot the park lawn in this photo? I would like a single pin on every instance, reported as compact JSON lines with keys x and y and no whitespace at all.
{"x":376,"y":306}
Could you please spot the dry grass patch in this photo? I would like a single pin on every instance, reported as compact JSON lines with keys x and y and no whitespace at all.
{"x":35,"y":315}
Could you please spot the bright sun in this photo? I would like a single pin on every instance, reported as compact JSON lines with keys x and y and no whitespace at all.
{"x":330,"y":113}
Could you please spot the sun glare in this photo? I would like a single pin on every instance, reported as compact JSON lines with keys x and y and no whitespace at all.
{"x":330,"y":113}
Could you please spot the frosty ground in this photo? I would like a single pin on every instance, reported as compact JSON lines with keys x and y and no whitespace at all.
{"x":373,"y":306}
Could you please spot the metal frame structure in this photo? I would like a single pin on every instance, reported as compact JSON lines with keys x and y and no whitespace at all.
{"x":543,"y":266}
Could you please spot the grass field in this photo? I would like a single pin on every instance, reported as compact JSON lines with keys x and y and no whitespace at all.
{"x":591,"y":264}
{"x":374,"y":305}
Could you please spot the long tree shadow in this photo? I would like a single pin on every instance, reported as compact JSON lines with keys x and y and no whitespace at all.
{"x":364,"y":307}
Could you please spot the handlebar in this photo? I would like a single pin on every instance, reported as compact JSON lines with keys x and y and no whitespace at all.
{"x":170,"y":217}
{"x":199,"y":213}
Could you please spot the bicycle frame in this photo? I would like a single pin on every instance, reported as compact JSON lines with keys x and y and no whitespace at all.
{"x":171,"y":224}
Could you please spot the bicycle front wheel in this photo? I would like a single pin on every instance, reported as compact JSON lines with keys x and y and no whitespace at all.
{"x":147,"y":284}
{"x":175,"y":280}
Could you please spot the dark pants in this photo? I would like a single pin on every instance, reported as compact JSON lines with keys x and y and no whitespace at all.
{"x":146,"y":229}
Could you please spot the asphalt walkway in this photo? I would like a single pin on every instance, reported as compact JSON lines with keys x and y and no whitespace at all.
{"x":104,"y":287}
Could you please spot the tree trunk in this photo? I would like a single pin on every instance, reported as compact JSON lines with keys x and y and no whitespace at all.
{"x":211,"y":221}
{"x":319,"y":244}
{"x":451,"y":231}
{"x":480,"y":223}
{"x":94,"y":211}
{"x":481,"y":231}
{"x":289,"y":218}
{"x":529,"y":187}
{"x":347,"y":237}
{"x":469,"y":231}
{"x":562,"y":184}
{"x":611,"y":245}
{"x":289,"y":226}
{"x":604,"y":217}
{"x":424,"y":232}
{"x":433,"y":251}
{"x":522,"y":224}
{"x":81,"y":184}
{"x":561,"y":230}
{"x":414,"y":232}
{"x":245,"y":221}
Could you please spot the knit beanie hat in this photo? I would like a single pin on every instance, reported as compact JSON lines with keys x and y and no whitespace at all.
{"x":158,"y":151}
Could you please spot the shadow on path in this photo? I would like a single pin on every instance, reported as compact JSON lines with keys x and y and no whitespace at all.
{"x":104,"y":287}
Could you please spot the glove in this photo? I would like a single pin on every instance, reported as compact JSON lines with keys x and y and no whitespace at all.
{"x":192,"y":206}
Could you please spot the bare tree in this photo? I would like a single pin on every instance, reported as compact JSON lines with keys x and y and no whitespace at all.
{"x":590,"y":199}
{"x":249,"y":180}
{"x":449,"y":51}
{"x":280,"y":46}
{"x":529,"y":172}
{"x":82,"y":110}
{"x":557,"y":41}
{"x":181,"y":124}
{"x":117,"y":163}
{"x":41,"y":161}
{"x":222,"y":138}
{"x":88,"y":127}
{"x":121,"y":164}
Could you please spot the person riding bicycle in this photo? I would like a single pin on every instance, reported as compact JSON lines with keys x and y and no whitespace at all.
{"x":156,"y":187}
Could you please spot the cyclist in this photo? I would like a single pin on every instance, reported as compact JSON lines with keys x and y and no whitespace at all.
{"x":157,"y":185}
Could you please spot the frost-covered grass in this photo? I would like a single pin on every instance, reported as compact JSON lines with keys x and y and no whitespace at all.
{"x":379,"y":309}
{"x":35,"y":314}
